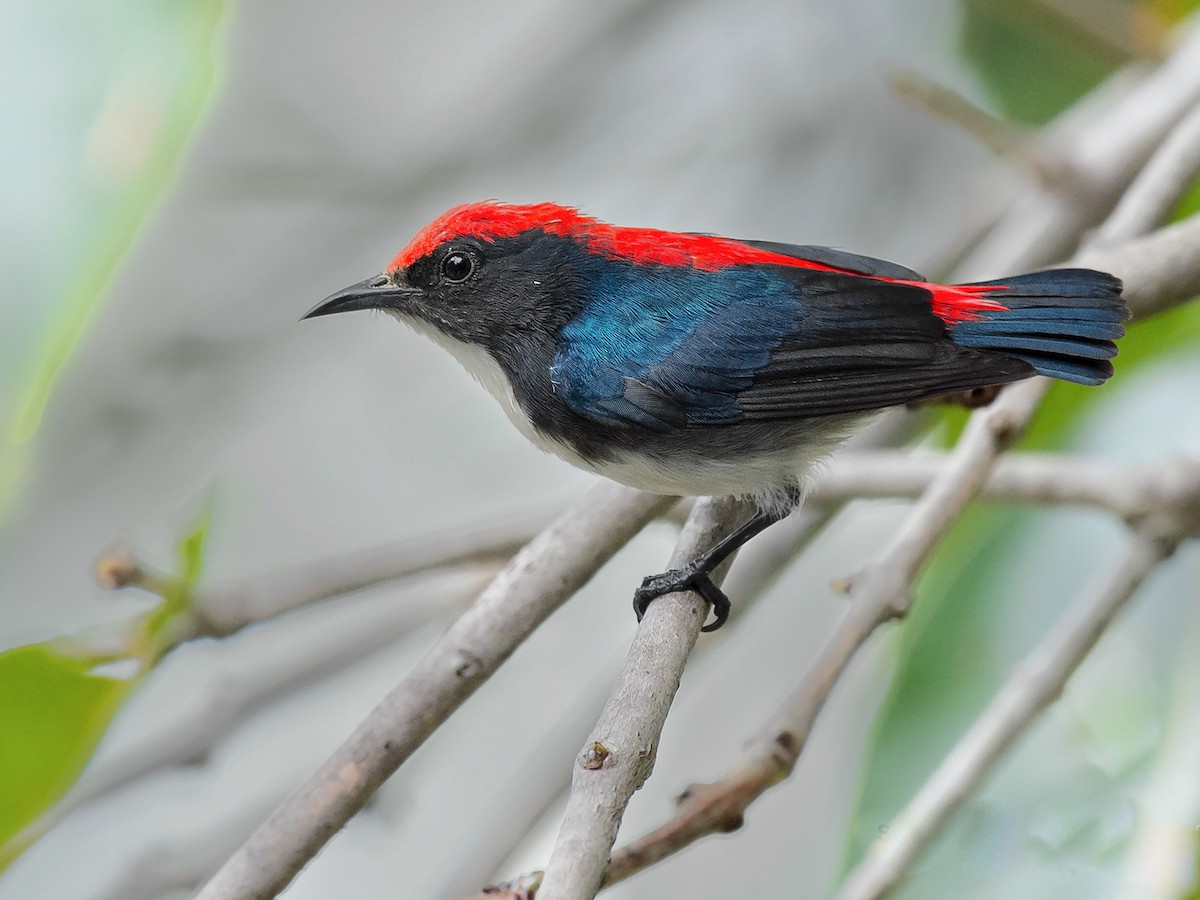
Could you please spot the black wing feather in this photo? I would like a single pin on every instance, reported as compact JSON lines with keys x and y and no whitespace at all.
{"x":840,"y":259}
{"x":866,"y":344}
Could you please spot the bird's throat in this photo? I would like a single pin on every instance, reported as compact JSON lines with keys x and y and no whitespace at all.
{"x":484,"y":368}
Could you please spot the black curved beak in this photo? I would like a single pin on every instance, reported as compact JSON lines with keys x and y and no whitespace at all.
{"x":373,"y":293}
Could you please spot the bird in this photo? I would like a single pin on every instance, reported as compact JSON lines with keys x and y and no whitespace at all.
{"x":698,"y":365}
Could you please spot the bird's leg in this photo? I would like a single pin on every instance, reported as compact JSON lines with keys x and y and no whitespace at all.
{"x":696,"y":575}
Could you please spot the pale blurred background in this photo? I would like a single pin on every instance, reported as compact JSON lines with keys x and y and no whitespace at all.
{"x":185,"y":180}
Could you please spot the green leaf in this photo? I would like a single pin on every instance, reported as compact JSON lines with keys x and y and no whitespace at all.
{"x":55,"y":706}
{"x":53,"y":712}
{"x":169,"y":622}
{"x":191,"y":548}
{"x":95,"y":161}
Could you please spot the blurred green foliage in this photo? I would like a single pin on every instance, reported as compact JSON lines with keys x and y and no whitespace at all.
{"x":105,"y":101}
{"x":1037,"y":57}
{"x":1059,"y":64}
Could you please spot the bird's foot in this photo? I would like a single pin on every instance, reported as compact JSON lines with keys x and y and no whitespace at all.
{"x":689,"y":578}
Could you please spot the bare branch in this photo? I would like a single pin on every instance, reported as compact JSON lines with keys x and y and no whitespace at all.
{"x":1129,"y":491}
{"x":537,"y":581}
{"x":1160,"y":271}
{"x":756,"y":569}
{"x":768,"y":758}
{"x":1170,"y":497}
{"x":1036,"y":684}
{"x":1158,"y":188}
{"x":619,"y":755}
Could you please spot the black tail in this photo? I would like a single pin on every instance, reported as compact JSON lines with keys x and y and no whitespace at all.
{"x":1062,"y":322}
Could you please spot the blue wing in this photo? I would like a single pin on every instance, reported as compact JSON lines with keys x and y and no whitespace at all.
{"x":667,"y":348}
{"x":664,"y":348}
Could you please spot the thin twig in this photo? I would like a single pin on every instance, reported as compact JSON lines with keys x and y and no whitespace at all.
{"x":768,"y":759}
{"x":559,"y":561}
{"x":1129,"y":491}
{"x":757,"y":567}
{"x":221,"y":610}
{"x":1002,"y":137}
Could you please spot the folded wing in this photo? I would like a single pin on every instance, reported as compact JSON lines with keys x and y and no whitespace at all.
{"x":762,"y":343}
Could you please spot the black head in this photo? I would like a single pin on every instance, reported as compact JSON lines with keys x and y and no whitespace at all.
{"x":477,"y":282}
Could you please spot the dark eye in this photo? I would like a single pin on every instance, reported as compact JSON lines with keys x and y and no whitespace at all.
{"x":457,"y":266}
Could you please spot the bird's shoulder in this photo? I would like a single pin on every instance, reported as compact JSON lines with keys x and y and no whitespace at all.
{"x":659,"y":348}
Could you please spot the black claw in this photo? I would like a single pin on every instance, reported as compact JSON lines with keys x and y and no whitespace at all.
{"x":720,"y":603}
{"x":695,"y":575}
{"x":654,"y":586}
